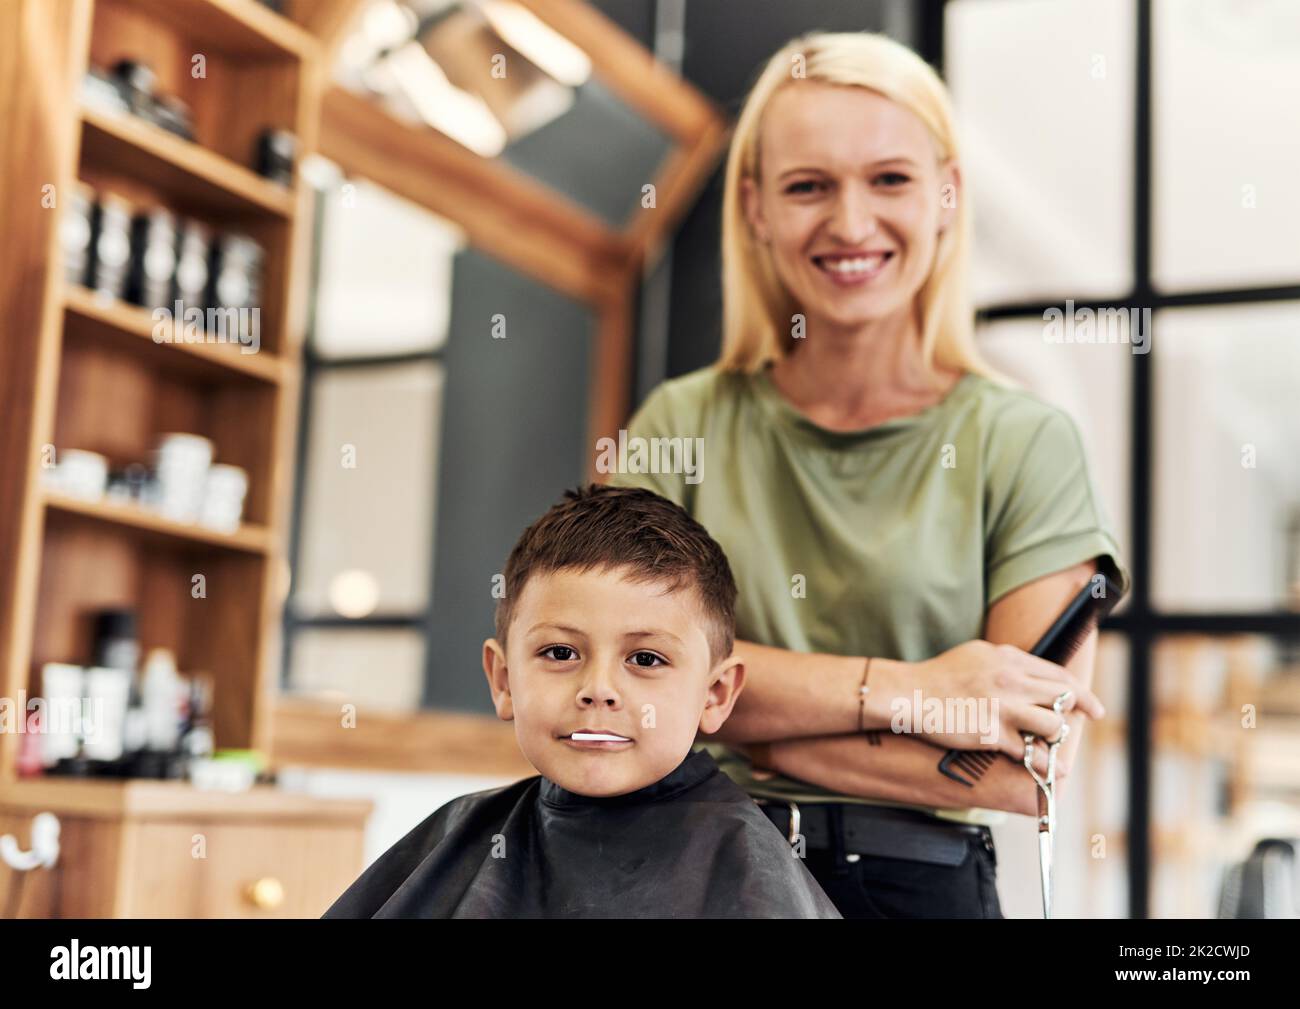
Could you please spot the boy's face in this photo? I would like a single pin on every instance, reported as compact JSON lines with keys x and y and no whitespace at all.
{"x":593,"y":652}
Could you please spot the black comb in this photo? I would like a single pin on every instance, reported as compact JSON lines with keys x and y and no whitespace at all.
{"x":1062,"y":640}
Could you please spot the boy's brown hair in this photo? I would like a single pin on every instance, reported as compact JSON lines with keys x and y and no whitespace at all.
{"x":632,"y":529}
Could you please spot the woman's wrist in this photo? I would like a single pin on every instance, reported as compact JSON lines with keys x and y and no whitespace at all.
{"x":884,"y":679}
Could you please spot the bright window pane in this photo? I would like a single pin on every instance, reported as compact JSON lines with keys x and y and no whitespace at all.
{"x":1227,"y":481}
{"x":1044,"y":97}
{"x":375,"y":669}
{"x":1226,"y":144}
{"x":368,"y":507}
{"x":385,"y":274}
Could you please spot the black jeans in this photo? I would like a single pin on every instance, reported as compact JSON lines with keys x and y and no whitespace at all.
{"x":878,"y":887}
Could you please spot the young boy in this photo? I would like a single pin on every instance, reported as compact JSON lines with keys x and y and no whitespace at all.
{"x":612,"y":650}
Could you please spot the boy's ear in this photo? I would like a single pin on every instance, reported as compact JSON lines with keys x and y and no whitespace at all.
{"x":726,"y":681}
{"x":498,"y":677}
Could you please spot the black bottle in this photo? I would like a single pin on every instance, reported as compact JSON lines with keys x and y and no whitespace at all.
{"x":191,"y":278}
{"x":76,"y":234}
{"x":153,"y":259}
{"x":236,"y":281}
{"x":112,"y":245}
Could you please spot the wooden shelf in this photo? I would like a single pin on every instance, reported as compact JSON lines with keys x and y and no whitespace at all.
{"x":243,"y":27}
{"x":191,"y":176}
{"x":142,"y":798}
{"x":249,"y":538}
{"x":92,"y":316}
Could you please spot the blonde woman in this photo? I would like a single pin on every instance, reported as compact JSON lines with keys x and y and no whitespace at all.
{"x":897,"y":517}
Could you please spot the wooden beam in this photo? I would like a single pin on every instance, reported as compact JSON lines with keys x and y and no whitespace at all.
{"x":630,"y":70}
{"x":504,"y":212}
{"x":684,"y":173}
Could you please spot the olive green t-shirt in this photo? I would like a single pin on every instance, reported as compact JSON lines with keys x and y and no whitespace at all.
{"x":892,"y":541}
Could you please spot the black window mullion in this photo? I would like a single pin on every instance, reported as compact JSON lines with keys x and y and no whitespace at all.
{"x":1138,"y":842}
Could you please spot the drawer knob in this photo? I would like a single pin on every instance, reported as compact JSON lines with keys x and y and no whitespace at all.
{"x":266,"y":894}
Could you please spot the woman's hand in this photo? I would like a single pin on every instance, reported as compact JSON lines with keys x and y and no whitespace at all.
{"x":979,"y":696}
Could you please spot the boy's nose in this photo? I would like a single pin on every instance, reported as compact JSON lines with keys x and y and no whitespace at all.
{"x":599,"y":689}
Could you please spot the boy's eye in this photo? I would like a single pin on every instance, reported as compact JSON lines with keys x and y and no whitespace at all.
{"x":646,"y":660}
{"x":560,"y":653}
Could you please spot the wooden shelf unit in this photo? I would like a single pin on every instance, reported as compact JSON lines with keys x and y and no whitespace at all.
{"x":240,"y":28}
{"x":84,"y":371}
{"x":188,"y":174}
{"x":167,"y":532}
{"x":130,"y":329}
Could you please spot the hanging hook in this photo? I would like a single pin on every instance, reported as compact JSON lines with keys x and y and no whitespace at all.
{"x":45,"y":845}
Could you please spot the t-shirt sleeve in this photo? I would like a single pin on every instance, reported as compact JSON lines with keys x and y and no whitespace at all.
{"x":1043,"y":512}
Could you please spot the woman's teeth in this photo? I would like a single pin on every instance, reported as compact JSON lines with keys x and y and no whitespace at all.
{"x":854,"y":267}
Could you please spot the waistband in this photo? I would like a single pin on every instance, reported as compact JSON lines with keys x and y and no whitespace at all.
{"x":883,"y":831}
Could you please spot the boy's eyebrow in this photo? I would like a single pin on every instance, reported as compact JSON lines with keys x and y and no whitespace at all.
{"x":565,"y":628}
{"x":653,"y":634}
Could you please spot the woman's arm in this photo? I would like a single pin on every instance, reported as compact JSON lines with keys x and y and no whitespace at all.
{"x":788,"y":695}
{"x":900,"y":769}
{"x":793,"y":695}
{"x":904,"y":768}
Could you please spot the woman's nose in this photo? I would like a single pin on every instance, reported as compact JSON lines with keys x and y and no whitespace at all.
{"x":853,"y":217}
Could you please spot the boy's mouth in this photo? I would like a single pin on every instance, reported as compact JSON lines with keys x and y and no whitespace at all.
{"x":596,"y":739}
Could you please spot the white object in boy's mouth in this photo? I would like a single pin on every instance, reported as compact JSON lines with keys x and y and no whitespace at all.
{"x":598,"y":737}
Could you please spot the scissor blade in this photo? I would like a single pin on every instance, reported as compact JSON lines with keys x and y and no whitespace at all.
{"x":1045,"y":869}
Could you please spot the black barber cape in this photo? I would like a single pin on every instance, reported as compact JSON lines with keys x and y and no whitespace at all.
{"x":691,"y":845}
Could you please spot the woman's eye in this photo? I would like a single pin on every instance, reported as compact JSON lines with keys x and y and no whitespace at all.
{"x":800,"y":188}
{"x":646,"y":660}
{"x":894,"y":175}
{"x":560,"y":653}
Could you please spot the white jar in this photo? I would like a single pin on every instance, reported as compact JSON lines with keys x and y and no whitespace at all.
{"x":223,"y":498}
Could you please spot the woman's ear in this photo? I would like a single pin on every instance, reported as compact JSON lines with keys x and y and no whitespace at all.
{"x":498,"y":677}
{"x":751,"y":202}
{"x":950,"y":191}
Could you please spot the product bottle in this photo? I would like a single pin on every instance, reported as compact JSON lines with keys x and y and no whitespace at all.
{"x":196,"y":740}
{"x":161,"y":689}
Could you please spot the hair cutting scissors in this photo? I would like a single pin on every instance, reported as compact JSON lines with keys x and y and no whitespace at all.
{"x":1047,"y":802}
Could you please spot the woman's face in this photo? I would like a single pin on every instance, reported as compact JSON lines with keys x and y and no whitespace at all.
{"x":851,"y":200}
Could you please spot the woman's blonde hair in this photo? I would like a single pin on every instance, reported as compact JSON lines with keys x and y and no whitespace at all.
{"x":757,"y":309}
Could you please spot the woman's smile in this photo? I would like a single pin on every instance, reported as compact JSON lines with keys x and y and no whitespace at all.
{"x":853,"y":270}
